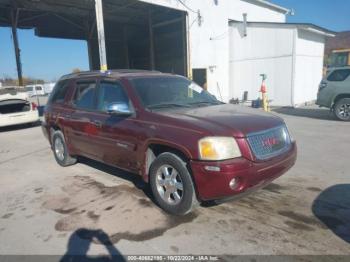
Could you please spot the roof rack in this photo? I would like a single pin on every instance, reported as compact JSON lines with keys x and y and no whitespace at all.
{"x":107,"y":72}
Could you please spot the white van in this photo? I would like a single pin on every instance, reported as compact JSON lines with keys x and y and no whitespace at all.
{"x":35,"y":90}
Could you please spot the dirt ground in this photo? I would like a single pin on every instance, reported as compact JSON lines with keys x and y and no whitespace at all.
{"x":94,"y":209}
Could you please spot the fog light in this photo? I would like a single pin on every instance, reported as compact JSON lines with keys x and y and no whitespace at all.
{"x":234,"y":183}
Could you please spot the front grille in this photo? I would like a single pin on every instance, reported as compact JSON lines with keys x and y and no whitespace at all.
{"x":269,"y":143}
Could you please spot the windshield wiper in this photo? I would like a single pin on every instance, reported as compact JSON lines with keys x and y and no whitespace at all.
{"x":166,"y":105}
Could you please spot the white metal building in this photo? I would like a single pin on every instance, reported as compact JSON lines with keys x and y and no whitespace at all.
{"x":235,"y":53}
{"x":290,"y":54}
{"x":225,"y":44}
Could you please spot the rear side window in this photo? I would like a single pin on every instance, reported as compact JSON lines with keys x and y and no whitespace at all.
{"x":339,"y":75}
{"x":59,"y":92}
{"x":84,"y":97}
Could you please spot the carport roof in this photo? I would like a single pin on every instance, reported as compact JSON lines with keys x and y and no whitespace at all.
{"x":304,"y":26}
{"x":75,"y":19}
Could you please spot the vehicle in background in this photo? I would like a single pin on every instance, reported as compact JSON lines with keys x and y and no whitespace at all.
{"x":15,"y":109}
{"x":35,"y":90}
{"x":339,"y":58}
{"x":186,"y":144}
{"x":48,"y":87}
{"x":334,"y":92}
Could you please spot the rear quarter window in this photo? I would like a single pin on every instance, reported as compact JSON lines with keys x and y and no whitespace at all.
{"x":59,"y":92}
{"x":339,"y":75}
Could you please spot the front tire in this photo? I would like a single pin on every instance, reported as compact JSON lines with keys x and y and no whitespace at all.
{"x":60,"y":151}
{"x":172,"y":184}
{"x":342,"y":109}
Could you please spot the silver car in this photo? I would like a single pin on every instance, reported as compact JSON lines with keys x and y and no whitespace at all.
{"x":334,"y":92}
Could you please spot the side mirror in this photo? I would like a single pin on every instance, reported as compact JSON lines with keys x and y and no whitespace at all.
{"x":119,"y":108}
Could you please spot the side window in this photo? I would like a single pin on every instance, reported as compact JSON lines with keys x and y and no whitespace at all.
{"x":84,"y":97}
{"x":110,"y":93}
{"x":339,"y":75}
{"x":59,"y":92}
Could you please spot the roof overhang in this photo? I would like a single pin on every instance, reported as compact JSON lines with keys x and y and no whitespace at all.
{"x":75,"y":19}
{"x":302,"y":26}
{"x":269,"y":5}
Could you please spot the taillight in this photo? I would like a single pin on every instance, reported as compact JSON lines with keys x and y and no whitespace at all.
{"x":34,"y":106}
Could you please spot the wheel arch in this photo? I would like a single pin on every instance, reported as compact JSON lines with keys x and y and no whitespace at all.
{"x":52,"y":130}
{"x":338,"y":97}
{"x":155,"y":147}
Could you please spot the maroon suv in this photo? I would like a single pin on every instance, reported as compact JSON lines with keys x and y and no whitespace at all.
{"x":186,"y":144}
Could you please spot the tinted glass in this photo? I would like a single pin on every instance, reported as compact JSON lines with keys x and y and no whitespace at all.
{"x":178,"y":91}
{"x":38,"y":88}
{"x":85,"y":95}
{"x":59,"y":92}
{"x":110,"y":93}
{"x":339,"y":75}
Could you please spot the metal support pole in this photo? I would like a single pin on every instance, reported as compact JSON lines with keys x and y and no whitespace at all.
{"x":14,"y":23}
{"x":188,"y":41}
{"x":101,"y":34}
{"x":151,"y":40}
{"x":90,"y":28}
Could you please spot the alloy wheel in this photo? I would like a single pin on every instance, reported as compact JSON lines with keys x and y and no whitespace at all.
{"x":59,"y":148}
{"x":169,"y":184}
{"x":344,"y":111}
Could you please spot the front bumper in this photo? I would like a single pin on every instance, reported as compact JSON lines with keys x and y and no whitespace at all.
{"x":214,"y":185}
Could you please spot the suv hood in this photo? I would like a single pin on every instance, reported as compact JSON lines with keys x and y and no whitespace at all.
{"x":226,"y":120}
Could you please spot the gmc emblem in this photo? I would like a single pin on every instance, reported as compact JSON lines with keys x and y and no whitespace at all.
{"x":271,"y":142}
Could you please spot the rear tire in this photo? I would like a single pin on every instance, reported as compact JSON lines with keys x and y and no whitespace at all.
{"x":342,"y":109}
{"x":172,"y":184}
{"x":60,"y":151}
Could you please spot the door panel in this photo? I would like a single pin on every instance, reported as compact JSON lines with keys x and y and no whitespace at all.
{"x":117,"y":138}
{"x":82,"y":120}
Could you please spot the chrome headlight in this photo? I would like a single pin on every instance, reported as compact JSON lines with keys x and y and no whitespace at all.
{"x":218,"y":148}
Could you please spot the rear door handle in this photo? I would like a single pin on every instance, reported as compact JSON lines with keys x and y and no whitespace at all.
{"x":96,"y":123}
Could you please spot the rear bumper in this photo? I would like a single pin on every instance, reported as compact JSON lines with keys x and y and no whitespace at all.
{"x":19,"y":118}
{"x":213,"y":185}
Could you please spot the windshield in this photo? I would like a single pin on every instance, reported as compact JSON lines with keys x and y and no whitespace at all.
{"x":166,"y":92}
